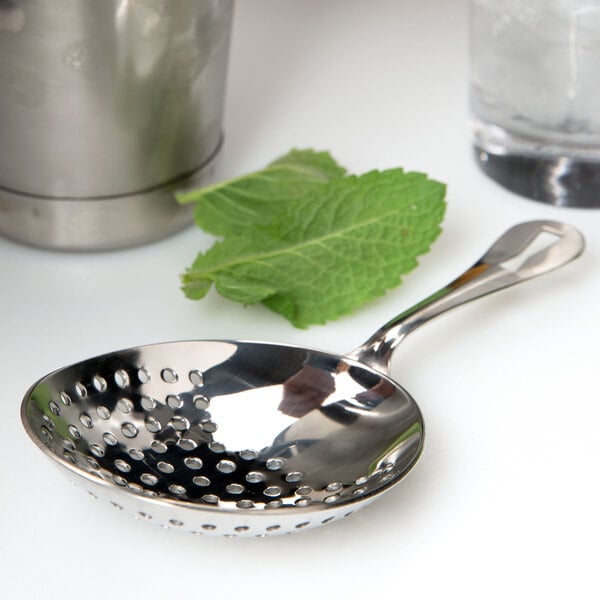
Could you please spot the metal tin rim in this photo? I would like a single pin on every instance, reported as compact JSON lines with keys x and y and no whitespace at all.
{"x":101,"y":223}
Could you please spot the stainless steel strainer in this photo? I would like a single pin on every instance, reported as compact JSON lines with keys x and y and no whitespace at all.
{"x":249,"y":438}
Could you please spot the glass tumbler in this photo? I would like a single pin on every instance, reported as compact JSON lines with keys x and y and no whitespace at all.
{"x":535,"y":97}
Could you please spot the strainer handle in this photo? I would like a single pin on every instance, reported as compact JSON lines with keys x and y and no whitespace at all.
{"x":512,"y":259}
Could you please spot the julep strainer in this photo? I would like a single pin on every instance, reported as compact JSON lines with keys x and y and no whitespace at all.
{"x":249,"y":438}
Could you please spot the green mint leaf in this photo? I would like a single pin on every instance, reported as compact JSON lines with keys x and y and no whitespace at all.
{"x":254,"y":199}
{"x":330,"y":251}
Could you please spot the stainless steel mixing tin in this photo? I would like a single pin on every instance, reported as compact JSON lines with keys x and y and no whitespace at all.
{"x":105,"y":108}
{"x":248,"y":438}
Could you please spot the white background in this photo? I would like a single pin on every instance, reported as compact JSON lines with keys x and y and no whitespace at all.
{"x":504,"y":502}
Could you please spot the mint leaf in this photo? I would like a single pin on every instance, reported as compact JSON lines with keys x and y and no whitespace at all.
{"x":330,"y":251}
{"x":254,"y":199}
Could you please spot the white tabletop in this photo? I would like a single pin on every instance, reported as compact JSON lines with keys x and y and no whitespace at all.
{"x":504,"y":502}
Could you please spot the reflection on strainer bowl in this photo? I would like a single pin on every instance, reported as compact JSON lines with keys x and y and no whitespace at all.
{"x":140,"y":431}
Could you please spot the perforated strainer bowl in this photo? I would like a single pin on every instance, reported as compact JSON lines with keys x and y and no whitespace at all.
{"x":252,"y":439}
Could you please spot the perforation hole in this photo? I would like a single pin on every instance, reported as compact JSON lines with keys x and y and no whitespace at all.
{"x":201,"y":402}
{"x":121,"y":378}
{"x":193,"y":463}
{"x":180,"y":423}
{"x":255,"y":477}
{"x":148,"y":403}
{"x":81,"y":390}
{"x":235,"y":488}
{"x":103,"y":412}
{"x":196,"y":377}
{"x":174,"y":401}
{"x":248,"y":454}
{"x":125,"y":405}
{"x":169,"y":375}
{"x":226,"y":466}
{"x":153,"y":425}
{"x":86,"y":420}
{"x":187,"y":444}
{"x":65,"y":399}
{"x":201,"y":481}
{"x":165,"y":467}
{"x":69,"y":456}
{"x":129,"y":430}
{"x":136,"y":454}
{"x":274,"y":464}
{"x":97,"y":450}
{"x":110,"y":439}
{"x":74,"y":432}
{"x":159,"y":447}
{"x":122,"y":465}
{"x":143,"y":375}
{"x":99,"y":383}
{"x":92,"y":463}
